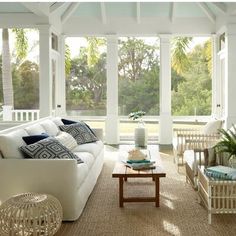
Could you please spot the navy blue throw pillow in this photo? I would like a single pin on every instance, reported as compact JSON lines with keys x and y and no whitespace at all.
{"x":68,"y":122}
{"x":34,"y":138}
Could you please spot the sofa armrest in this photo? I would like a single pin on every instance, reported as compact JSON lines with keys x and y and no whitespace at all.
{"x":98,"y":132}
{"x":56,"y":177}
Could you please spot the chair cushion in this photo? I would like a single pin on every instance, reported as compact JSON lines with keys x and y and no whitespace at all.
{"x":49,"y":148}
{"x":34,"y":138}
{"x":50,"y":127}
{"x":80,"y":132}
{"x":212,"y":127}
{"x":66,"y":140}
{"x":10,"y":143}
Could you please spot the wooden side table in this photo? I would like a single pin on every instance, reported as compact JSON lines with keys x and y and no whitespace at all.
{"x":219,"y":196}
{"x":30,"y":214}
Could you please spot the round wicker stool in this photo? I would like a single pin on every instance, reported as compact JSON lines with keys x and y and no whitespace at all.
{"x":30,"y":214}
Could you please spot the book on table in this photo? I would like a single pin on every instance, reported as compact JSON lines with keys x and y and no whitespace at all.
{"x":140,"y":165}
{"x":221,"y":172}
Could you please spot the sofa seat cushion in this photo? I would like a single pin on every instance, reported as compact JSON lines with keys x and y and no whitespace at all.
{"x":35,"y":129}
{"x":86,"y":157}
{"x":49,"y":148}
{"x":50,"y":127}
{"x":82,"y":173}
{"x":93,"y":148}
{"x":11,"y":142}
{"x":189,"y":159}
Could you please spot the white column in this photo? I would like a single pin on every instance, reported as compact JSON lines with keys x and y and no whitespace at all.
{"x":61,"y":83}
{"x":45,"y":73}
{"x":215,"y":71}
{"x":230,"y":81}
{"x":165,"y":125}
{"x":112,"y":120}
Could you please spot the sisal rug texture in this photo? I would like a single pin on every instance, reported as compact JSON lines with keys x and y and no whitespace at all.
{"x":179,"y":212}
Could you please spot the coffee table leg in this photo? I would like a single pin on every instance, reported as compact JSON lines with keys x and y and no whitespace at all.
{"x":157,"y":192}
{"x":121,"y":192}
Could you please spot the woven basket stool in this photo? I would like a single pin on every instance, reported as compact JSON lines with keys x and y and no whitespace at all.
{"x":30,"y":214}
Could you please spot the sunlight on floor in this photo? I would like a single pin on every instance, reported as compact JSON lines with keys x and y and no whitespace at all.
{"x":171,"y":228}
{"x":169,"y":204}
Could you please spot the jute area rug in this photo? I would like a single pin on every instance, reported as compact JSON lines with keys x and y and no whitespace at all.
{"x":179,"y":212}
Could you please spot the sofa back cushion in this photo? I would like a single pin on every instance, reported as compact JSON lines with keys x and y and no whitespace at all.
{"x":50,"y":127}
{"x":10,"y":143}
{"x":35,"y":129}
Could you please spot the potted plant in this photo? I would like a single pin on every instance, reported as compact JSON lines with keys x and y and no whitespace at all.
{"x":228,"y":145}
{"x":140,"y":133}
{"x":137,"y":116}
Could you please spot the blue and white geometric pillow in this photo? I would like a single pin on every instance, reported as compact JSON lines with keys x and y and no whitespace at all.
{"x":80,"y":132}
{"x":49,"y":148}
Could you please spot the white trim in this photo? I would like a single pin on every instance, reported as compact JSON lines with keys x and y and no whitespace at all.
{"x":34,"y":8}
{"x":220,"y":6}
{"x":103,"y":12}
{"x":172,"y":11}
{"x":138,"y":12}
{"x":56,"y":6}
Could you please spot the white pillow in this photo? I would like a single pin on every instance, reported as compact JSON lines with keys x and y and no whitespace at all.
{"x":10,"y":143}
{"x":66,"y":140}
{"x":212,"y":127}
{"x":35,"y":129}
{"x":57,"y":121}
{"x":50,"y":127}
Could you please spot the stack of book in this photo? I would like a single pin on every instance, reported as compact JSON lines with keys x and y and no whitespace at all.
{"x":140,"y":165}
{"x":221,"y":172}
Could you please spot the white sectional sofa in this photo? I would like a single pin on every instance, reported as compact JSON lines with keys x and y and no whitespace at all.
{"x":69,"y":182}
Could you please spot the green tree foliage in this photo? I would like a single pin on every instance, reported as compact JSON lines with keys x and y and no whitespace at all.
{"x":21,"y":43}
{"x":194,"y":94}
{"x":67,"y":60}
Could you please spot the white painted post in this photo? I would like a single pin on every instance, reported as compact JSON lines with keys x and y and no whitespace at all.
{"x":7,"y":113}
{"x":215,"y":72}
{"x":61,"y":82}
{"x":112,"y":120}
{"x":45,"y":71}
{"x":165,"y":125}
{"x":230,"y":81}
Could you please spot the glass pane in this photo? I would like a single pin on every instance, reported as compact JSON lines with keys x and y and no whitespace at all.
{"x":191,"y":76}
{"x":138,"y":75}
{"x":86,"y":76}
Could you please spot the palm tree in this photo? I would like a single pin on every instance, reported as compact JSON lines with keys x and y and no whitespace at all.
{"x":21,"y":49}
{"x":179,"y":48}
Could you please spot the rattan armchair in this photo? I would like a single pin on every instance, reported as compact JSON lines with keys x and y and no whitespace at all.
{"x":189,"y":139}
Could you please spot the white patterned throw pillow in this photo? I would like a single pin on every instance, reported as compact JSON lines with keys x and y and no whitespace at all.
{"x":66,"y":140}
{"x":49,"y":148}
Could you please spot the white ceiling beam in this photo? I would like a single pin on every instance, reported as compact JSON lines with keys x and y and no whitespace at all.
{"x":220,"y":6}
{"x":172,"y":11}
{"x":138,"y":12}
{"x":56,"y":6}
{"x":34,"y":8}
{"x":211,"y":16}
{"x":103,"y":12}
{"x":69,"y":11}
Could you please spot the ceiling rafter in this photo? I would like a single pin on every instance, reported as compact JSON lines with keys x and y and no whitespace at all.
{"x":220,"y":6}
{"x":103,"y":12}
{"x":34,"y":8}
{"x":56,"y":6}
{"x":138,"y":12}
{"x":172,"y":11}
{"x":69,"y":11}
{"x":211,"y":16}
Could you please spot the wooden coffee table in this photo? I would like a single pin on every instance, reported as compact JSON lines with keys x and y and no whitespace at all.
{"x":123,"y":173}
